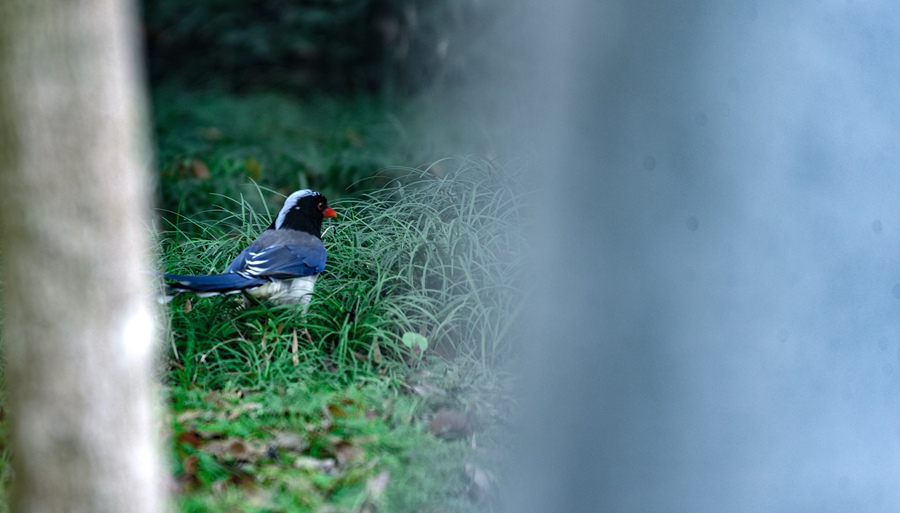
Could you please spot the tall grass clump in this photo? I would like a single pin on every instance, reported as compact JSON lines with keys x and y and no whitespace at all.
{"x":435,"y":255}
{"x":439,"y":252}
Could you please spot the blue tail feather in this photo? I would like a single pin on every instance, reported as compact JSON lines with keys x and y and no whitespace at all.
{"x":222,"y":283}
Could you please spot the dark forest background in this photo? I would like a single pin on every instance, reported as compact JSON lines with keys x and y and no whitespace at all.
{"x":325,"y":46}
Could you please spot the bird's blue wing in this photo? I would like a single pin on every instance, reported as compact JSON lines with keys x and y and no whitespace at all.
{"x":239,"y":261}
{"x":280,"y":262}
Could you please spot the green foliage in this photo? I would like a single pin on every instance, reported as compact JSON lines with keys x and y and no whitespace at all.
{"x":415,"y":341}
{"x":434,"y":257}
{"x":431,"y":260}
{"x":299,"y":44}
{"x":442,"y":255}
{"x":304,"y":446}
{"x":210,"y":146}
{"x":343,"y":46}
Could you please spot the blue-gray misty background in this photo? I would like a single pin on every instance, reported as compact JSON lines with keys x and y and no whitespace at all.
{"x":717,"y":327}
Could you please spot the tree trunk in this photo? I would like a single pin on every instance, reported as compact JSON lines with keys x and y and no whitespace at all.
{"x":77,"y":329}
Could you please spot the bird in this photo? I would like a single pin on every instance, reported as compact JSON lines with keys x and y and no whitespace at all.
{"x":281,"y":266}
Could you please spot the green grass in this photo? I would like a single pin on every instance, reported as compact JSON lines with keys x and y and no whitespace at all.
{"x":303,"y":446}
{"x":435,"y":254}
{"x":210,"y":145}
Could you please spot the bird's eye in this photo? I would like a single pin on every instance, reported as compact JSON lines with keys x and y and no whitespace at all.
{"x":321,"y":206}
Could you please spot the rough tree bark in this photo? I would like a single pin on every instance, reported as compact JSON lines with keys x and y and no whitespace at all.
{"x":77,"y":333}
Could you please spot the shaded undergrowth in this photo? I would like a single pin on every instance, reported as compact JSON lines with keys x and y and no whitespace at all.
{"x":375,"y":397}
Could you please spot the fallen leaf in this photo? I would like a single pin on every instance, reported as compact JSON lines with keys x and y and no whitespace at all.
{"x":326,"y":466}
{"x":336,"y":410}
{"x":190,"y":438}
{"x":241,"y":479}
{"x":243,"y":408}
{"x":188,"y":478}
{"x":376,"y":353}
{"x":191,"y":415}
{"x":219,"y":398}
{"x":254,"y":168}
{"x":342,"y":407}
{"x":189,"y":464}
{"x":200,"y":170}
{"x":235,"y":449}
{"x":347,"y":453}
{"x":289,"y":441}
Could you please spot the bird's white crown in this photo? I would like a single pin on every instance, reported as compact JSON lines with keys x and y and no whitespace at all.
{"x":290,"y":203}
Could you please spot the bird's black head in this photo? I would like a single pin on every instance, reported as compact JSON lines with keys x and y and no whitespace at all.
{"x":304,"y":211}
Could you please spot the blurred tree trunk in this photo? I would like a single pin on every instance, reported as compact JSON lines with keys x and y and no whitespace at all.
{"x":77,"y":330}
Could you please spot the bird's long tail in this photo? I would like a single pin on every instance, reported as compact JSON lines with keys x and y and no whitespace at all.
{"x":211,"y":285}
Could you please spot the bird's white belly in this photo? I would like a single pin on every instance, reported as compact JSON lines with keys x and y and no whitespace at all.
{"x":283,"y":292}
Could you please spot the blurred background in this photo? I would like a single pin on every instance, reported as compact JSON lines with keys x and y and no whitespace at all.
{"x":712,"y":323}
{"x":359,"y":46}
{"x":325,"y":94}
{"x":716,"y":323}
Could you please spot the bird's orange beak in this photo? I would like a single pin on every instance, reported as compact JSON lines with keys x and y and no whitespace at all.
{"x":329,"y":212}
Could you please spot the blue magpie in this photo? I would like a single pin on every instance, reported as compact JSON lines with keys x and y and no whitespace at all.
{"x":281,"y":265}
